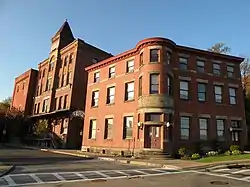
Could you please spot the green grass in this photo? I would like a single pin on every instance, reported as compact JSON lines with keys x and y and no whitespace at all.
{"x":220,"y":158}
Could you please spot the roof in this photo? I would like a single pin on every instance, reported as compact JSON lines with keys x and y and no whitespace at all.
{"x":64,"y":28}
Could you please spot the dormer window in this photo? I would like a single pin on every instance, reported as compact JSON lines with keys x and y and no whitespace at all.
{"x":94,"y":60}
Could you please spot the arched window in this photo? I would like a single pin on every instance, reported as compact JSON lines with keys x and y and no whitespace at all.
{"x":51,"y":64}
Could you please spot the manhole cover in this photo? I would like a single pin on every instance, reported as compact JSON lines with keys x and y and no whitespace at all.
{"x":219,"y":182}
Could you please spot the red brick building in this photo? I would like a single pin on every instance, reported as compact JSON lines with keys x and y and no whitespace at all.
{"x":160,"y":96}
{"x":24,"y":88}
{"x":59,"y":95}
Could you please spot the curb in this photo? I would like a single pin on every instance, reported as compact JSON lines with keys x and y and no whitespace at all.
{"x":7,"y":171}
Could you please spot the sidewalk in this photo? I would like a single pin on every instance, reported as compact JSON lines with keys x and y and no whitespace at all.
{"x":171,"y":164}
{"x":4,"y":169}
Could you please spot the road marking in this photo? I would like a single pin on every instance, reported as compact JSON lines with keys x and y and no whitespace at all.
{"x":159,"y":170}
{"x":122,"y":173}
{"x":9,"y":180}
{"x":142,"y":172}
{"x":218,"y":175}
{"x":102,"y":174}
{"x":80,"y":175}
{"x":241,"y":171}
{"x":37,"y":179}
{"x":219,"y":170}
{"x":58,"y":176}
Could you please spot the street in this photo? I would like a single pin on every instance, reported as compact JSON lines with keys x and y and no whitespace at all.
{"x":50,"y":169}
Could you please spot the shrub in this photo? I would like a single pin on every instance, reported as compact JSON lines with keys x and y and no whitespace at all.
{"x":236,"y":152}
{"x":212,"y":153}
{"x":227,"y":153}
{"x":182,"y":151}
{"x":185,"y":157}
{"x":234,"y":147}
{"x":195,"y":156}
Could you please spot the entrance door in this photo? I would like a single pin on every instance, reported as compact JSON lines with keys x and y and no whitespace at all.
{"x":153,"y":137}
{"x":236,"y":137}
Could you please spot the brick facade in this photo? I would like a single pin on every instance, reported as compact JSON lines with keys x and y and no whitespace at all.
{"x":164,"y":96}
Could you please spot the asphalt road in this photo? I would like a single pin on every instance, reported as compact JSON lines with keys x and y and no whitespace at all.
{"x":35,"y":161}
{"x":190,"y":179}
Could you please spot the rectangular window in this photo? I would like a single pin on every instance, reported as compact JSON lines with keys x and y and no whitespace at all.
{"x":38,"y":90}
{"x":235,"y":124}
{"x":34,"y":111}
{"x":141,"y":59}
{"x":128,"y":127}
{"x":46,"y":105}
{"x":184,"y":90}
{"x":203,"y":128}
{"x":66,"y":61}
{"x":108,"y":128}
{"x":183,"y":63}
{"x":95,"y":98}
{"x":168,"y":57}
{"x":38,"y":108}
{"x":216,"y":69}
{"x":129,"y":87}
{"x":184,"y":128}
{"x":96,"y":77}
{"x":230,"y":71}
{"x":154,"y":83}
{"x":200,"y":66}
{"x":60,"y":102}
{"x":170,"y":85}
{"x":111,"y":95}
{"x":92,"y":129}
{"x":71,"y":57}
{"x":220,"y":123}
{"x":154,"y":55}
{"x":218,"y":94}
{"x":111,"y":72}
{"x":44,"y":72}
{"x":69,"y":77}
{"x":55,"y":104}
{"x":232,"y":96}
{"x":156,"y":117}
{"x":65,"y":103}
{"x":48,"y":84}
{"x":202,"y":88}
{"x":130,"y":66}
{"x":140,"y":87}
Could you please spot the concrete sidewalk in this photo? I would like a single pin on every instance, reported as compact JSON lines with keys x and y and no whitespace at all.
{"x":172,"y":164}
{"x":5,"y":169}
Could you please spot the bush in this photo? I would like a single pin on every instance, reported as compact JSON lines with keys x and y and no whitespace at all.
{"x":195,"y":156}
{"x":234,"y":147}
{"x":236,"y":152}
{"x":212,"y":153}
{"x":227,"y":153}
{"x":182,"y":151}
{"x":185,"y":157}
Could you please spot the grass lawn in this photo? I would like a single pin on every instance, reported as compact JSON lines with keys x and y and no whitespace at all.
{"x":224,"y":158}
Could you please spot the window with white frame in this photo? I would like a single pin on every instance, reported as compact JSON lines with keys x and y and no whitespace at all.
{"x":202,"y":89}
{"x":184,"y":127}
{"x":111,"y":95}
{"x":218,"y":94}
{"x":112,"y":72}
{"x":232,"y":96}
{"x":183,"y":63}
{"x":200,"y":66}
{"x":130,"y":66}
{"x":220,"y":123}
{"x":230,"y":71}
{"x":184,"y":90}
{"x":95,"y":98}
{"x":154,"y":83}
{"x":108,"y":128}
{"x":141,"y":59}
{"x":92,"y":129}
{"x":96,"y":77}
{"x":203,"y":122}
{"x":129,"y":87}
{"x":128,"y":127}
{"x":216,"y":69}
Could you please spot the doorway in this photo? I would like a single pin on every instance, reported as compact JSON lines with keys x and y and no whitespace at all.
{"x":153,"y":137}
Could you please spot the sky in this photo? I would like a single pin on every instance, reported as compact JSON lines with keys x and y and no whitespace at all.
{"x":27,"y":27}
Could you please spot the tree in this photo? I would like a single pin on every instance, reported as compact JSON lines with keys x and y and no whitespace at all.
{"x":245,"y":74}
{"x":220,"y":48}
{"x":5,"y":104}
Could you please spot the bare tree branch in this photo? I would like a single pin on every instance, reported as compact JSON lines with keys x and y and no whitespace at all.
{"x":220,"y":48}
